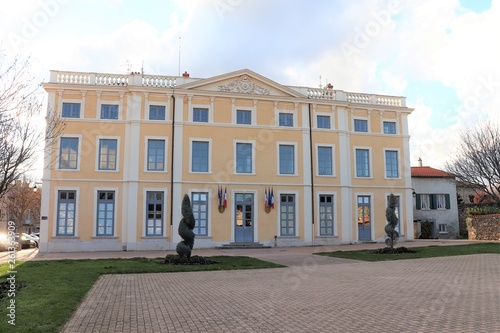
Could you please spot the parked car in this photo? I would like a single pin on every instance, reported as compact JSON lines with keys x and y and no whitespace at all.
{"x":26,"y":241}
{"x":35,"y":237}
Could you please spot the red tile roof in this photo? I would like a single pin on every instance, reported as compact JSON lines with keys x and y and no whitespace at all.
{"x":426,"y":171}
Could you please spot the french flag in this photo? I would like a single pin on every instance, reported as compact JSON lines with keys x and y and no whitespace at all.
{"x":225,"y":197}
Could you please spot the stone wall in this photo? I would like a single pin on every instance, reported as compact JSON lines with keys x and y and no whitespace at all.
{"x":484,"y":227}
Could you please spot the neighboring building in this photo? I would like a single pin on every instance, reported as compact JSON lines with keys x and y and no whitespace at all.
{"x":133,"y":145}
{"x":435,"y":201}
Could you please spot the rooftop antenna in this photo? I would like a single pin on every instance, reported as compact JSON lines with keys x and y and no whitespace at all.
{"x":142,"y":68}
{"x":320,"y":86}
{"x":179,"y":56}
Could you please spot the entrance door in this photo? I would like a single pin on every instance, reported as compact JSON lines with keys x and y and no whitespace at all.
{"x":364,"y":218}
{"x":243,"y":220}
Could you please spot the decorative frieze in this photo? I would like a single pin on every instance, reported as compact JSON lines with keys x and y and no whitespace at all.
{"x":244,"y":85}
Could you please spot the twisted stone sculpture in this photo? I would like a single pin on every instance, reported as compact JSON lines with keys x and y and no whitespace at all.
{"x":392,"y":222}
{"x":186,"y":227}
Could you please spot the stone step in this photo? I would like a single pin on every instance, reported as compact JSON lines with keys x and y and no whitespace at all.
{"x":243,"y":245}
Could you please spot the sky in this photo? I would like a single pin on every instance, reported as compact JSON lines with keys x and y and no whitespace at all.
{"x":443,"y":56}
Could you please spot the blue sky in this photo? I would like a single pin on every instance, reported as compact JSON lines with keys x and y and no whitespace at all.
{"x":442,"y":55}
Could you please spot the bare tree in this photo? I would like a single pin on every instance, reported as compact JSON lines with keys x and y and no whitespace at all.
{"x":21,"y":134}
{"x":477,"y":161}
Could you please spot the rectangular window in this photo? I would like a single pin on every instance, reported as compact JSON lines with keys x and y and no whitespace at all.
{"x":243,"y":158}
{"x":389,"y":127}
{"x":243,"y":117}
{"x":107,"y":154}
{"x":440,"y":201}
{"x":109,"y":111}
{"x":326,"y":215}
{"x":287,"y":217}
{"x":362,"y":163}
{"x":156,"y":155}
{"x":442,"y":228}
{"x":200,"y":115}
{"x":325,"y":167}
{"x":71,"y":110}
{"x":66,"y":209}
{"x":68,"y":153}
{"x":286,"y":119}
{"x":199,"y":157}
{"x":154,"y":213}
{"x":360,"y":125}
{"x":391,"y":164}
{"x":199,"y":203}
{"x":156,"y":112}
{"x":287,"y":159}
{"x":424,"y":201}
{"x":323,"y":121}
{"x":105,"y":213}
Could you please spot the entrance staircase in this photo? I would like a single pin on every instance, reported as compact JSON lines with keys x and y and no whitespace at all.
{"x":243,"y":245}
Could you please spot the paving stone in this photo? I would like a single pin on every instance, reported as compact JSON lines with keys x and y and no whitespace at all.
{"x":315,"y":294}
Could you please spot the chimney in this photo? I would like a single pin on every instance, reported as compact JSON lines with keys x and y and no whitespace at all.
{"x":185,"y":74}
{"x":419,"y":162}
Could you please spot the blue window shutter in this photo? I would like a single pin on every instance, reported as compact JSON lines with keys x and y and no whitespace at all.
{"x":447,"y":201}
{"x":418,"y":203}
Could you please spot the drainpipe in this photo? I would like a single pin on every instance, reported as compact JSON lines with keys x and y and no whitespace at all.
{"x":172,"y":172}
{"x":312,"y":170}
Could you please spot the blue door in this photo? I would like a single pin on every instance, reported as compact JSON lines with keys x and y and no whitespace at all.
{"x":364,"y":218}
{"x":243,"y":220}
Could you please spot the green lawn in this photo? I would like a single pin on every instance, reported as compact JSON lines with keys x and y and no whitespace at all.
{"x":51,"y":290}
{"x":421,"y":252}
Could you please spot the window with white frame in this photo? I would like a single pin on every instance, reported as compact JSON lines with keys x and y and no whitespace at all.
{"x":362,"y":163}
{"x":326,"y":215}
{"x":323,"y":121}
{"x":286,"y":159}
{"x":66,"y":213}
{"x":71,"y":110}
{"x":109,"y":111}
{"x":108,"y":153}
{"x":200,"y":115}
{"x":325,"y":161}
{"x":287,"y":215}
{"x":391,"y":164}
{"x":424,"y":201}
{"x":199,"y":156}
{"x":199,"y":203}
{"x":440,"y":201}
{"x":156,"y":155}
{"x":68,"y":153}
{"x":442,"y":228}
{"x":243,"y":157}
{"x":360,"y":125}
{"x":105,"y":213}
{"x":243,"y":117}
{"x":156,"y":112}
{"x":389,"y":127}
{"x":285,"y":119}
{"x":155,"y":213}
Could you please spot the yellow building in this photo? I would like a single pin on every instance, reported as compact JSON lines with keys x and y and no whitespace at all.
{"x":293,"y":164}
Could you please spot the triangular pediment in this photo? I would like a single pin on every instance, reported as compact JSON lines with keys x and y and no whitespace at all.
{"x":243,"y":82}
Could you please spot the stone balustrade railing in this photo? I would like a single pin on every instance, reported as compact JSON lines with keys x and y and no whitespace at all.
{"x":357,"y":98}
{"x":138,"y":79}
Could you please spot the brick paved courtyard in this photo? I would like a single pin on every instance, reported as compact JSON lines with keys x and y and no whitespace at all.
{"x":315,"y":294}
